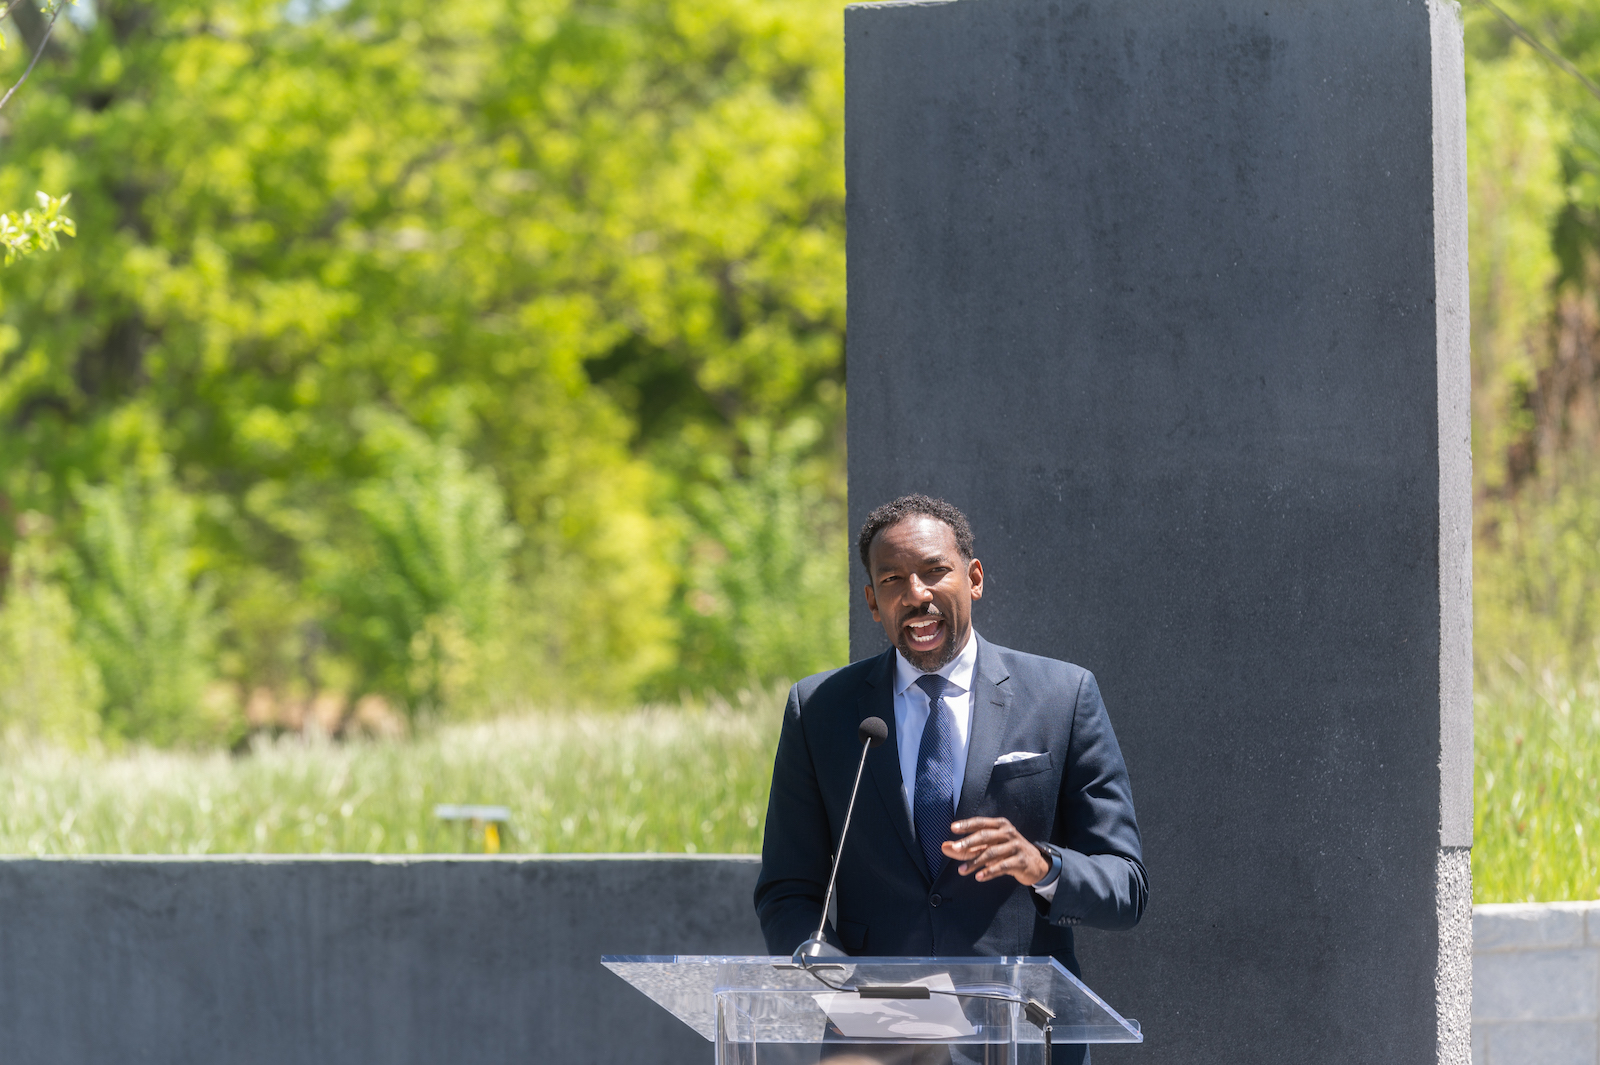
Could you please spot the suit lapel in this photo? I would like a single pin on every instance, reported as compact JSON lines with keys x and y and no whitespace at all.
{"x":990,"y":695}
{"x":883,"y":764}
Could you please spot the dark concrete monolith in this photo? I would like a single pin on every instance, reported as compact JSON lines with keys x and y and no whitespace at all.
{"x":1170,"y":297}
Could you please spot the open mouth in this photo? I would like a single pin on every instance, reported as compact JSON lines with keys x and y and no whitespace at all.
{"x":924,"y":635}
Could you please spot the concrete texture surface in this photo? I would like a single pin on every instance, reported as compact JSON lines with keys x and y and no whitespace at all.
{"x":1536,"y":984}
{"x":1170,"y":297}
{"x":349,"y":961}
{"x":1453,"y":978}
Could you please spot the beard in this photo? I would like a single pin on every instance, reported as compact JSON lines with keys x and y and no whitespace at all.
{"x":936,"y":659}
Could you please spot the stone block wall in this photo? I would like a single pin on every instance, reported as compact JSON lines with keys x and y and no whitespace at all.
{"x":1536,"y":984}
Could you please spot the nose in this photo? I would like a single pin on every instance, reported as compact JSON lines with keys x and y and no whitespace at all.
{"x":919,"y":591}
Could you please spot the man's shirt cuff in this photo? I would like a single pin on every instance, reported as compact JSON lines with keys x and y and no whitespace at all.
{"x":1046,"y":886}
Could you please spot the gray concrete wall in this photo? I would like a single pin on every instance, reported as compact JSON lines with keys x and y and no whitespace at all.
{"x":1170,"y":297}
{"x":1536,"y":984}
{"x":349,"y":961}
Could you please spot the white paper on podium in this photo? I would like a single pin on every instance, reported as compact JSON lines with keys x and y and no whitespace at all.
{"x":935,"y":1017}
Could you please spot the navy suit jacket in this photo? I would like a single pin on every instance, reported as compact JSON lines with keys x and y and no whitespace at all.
{"x":1075,"y":795}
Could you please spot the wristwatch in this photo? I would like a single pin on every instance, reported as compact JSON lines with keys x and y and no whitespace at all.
{"x":1055,"y":863}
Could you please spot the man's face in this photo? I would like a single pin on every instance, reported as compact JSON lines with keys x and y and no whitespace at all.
{"x":921,"y":590}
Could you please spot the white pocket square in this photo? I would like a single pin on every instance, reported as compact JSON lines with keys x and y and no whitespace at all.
{"x":1016,"y":756}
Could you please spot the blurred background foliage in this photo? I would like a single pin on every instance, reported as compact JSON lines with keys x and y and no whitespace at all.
{"x":1534,"y":169}
{"x":429,"y":352}
{"x":416,"y":361}
{"x":1533,"y":135}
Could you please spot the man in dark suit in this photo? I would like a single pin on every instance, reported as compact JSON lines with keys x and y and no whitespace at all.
{"x":997,"y":815}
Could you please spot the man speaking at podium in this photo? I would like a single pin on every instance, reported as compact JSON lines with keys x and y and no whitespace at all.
{"x":995,"y":817}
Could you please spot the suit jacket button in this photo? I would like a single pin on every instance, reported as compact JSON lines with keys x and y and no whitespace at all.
{"x":935,"y":899}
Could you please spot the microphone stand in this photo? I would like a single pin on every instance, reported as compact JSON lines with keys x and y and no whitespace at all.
{"x":872,"y":732}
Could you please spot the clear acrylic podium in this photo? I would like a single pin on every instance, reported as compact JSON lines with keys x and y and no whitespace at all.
{"x":771,"y":1011}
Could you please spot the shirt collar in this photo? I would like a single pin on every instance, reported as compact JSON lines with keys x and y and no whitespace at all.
{"x":958,"y":671}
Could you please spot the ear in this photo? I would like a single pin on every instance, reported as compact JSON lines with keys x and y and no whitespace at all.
{"x":975,"y":576}
{"x":872,"y":603}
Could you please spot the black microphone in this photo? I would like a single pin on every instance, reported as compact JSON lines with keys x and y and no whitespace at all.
{"x":872,"y":732}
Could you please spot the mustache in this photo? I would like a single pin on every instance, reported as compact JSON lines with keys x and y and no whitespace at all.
{"x":928,"y":611}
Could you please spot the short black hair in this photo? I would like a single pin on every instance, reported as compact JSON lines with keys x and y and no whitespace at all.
{"x":898,"y":510}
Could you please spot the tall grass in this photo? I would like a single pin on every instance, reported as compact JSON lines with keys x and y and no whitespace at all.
{"x":674,"y":780}
{"x":650,"y":780}
{"x":1536,"y":835}
{"x":1536,"y":636}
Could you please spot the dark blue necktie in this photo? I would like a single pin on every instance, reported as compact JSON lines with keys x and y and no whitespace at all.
{"x":936,"y":776}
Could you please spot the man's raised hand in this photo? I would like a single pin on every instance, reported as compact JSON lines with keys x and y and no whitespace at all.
{"x":991,"y":846}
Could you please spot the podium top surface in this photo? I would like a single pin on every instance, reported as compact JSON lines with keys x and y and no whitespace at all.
{"x":776,"y":1001}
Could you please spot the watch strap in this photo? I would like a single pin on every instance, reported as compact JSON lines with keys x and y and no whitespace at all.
{"x":1054,"y":855}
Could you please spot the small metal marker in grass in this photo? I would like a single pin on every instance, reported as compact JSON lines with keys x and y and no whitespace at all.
{"x":490,"y":817}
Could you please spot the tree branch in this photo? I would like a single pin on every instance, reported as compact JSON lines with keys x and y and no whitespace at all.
{"x":37,"y":52}
{"x":29,"y":17}
{"x":1533,"y":42}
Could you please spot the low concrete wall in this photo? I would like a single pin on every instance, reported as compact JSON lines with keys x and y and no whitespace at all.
{"x":1536,"y":984}
{"x":444,"y":961}
{"x":464,"y":960}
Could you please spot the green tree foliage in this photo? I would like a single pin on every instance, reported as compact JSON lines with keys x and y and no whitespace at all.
{"x":573,"y":258}
{"x":33,"y":231}
{"x":22,"y":234}
{"x":1534,"y":169}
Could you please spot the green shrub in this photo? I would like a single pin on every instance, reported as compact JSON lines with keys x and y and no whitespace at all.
{"x":145,"y":617}
{"x":49,"y":688}
{"x":422,"y":585}
{"x":765,"y":593}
